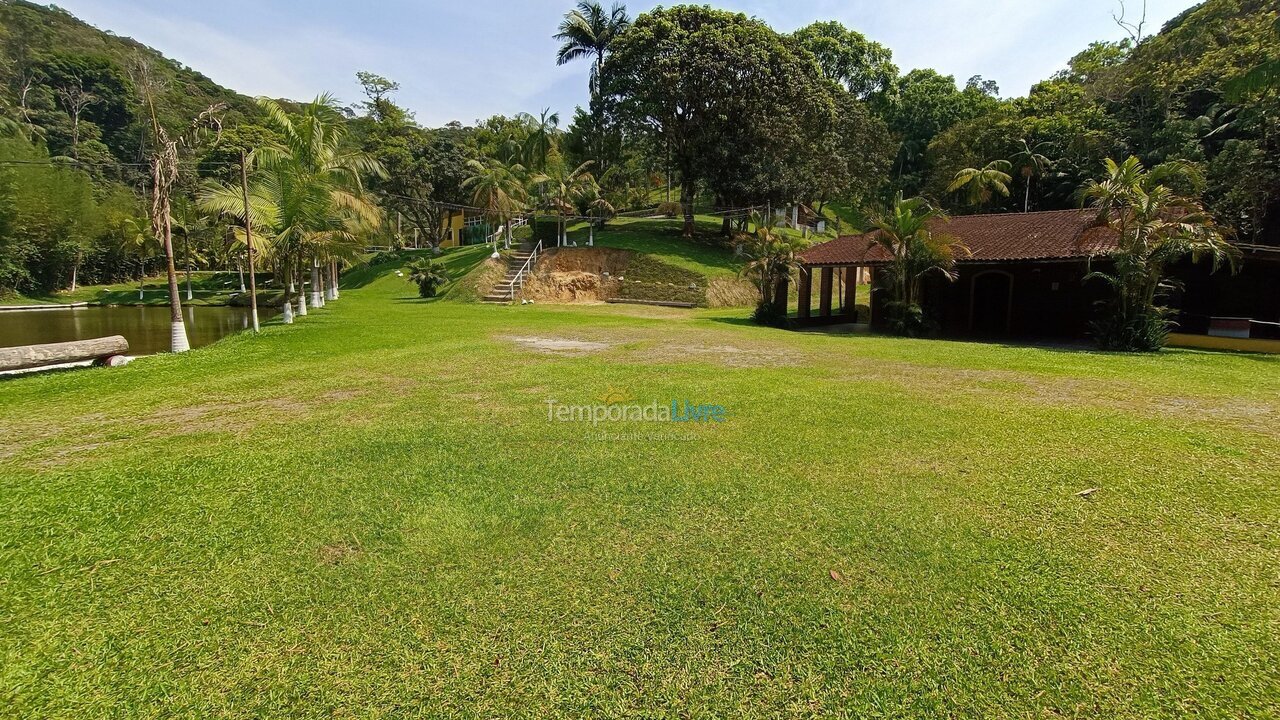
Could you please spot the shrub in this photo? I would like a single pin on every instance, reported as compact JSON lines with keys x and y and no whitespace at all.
{"x":1144,"y":332}
{"x":429,"y":276}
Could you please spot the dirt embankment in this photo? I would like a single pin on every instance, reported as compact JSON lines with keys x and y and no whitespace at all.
{"x":593,"y":275}
{"x":578,"y":275}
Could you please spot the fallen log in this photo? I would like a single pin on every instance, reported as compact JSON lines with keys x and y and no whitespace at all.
{"x":34,"y":356}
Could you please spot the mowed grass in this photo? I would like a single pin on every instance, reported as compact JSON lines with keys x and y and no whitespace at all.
{"x":707,"y":254}
{"x":368,"y":514}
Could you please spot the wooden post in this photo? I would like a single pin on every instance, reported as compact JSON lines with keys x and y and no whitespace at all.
{"x":851,"y":293}
{"x":824,"y":294}
{"x":806,"y":293}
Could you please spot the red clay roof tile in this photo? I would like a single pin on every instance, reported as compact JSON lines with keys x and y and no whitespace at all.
{"x":1055,"y":235}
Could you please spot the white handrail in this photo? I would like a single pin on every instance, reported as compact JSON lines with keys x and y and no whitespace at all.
{"x":528,"y":267}
{"x":519,"y":223}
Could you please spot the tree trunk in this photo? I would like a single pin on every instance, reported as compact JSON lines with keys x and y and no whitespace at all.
{"x":34,"y":356}
{"x":317,"y":294}
{"x":177,"y":328}
{"x":75,"y":269}
{"x":302,"y":293}
{"x":686,"y":203}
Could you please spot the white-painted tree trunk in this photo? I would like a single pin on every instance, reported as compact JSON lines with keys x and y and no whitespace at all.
{"x":302,"y":304}
{"x":317,"y":292}
{"x":591,"y":235}
{"x":337,"y":289}
{"x":288,"y":313}
{"x":178,"y":337}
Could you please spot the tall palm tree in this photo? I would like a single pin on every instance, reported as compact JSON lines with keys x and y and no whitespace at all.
{"x":542,"y":140}
{"x":308,"y":196}
{"x":561,"y":190}
{"x":1031,"y":164}
{"x":194,"y":227}
{"x":905,"y":229}
{"x":1155,"y":227}
{"x":137,"y":241}
{"x":982,"y":184}
{"x":588,"y":31}
{"x":497,"y":189}
{"x":164,"y":164}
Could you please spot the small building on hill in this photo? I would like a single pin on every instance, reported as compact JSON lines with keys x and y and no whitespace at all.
{"x":1024,"y":278}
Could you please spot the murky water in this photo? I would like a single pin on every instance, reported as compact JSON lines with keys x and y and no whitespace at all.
{"x":146,"y":328}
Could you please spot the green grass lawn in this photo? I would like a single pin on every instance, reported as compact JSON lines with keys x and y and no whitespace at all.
{"x":368,"y":514}
{"x":706,"y":254}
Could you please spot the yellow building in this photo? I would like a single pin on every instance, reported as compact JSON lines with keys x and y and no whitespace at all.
{"x":454,"y":223}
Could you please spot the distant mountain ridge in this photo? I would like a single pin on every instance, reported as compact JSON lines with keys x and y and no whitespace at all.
{"x":72,"y":82}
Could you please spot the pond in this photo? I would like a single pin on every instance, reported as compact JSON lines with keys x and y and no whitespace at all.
{"x":145,"y":327}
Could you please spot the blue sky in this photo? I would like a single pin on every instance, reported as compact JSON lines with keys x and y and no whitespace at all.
{"x":468,"y":59}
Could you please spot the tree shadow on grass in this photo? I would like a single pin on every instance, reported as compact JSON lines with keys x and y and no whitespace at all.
{"x":739,"y":321}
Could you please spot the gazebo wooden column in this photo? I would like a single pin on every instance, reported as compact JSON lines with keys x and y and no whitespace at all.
{"x":851,"y":293}
{"x":824,"y":293}
{"x":806,"y":293}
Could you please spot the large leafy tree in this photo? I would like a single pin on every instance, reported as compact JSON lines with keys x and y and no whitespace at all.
{"x":922,"y":105}
{"x":862,"y":66}
{"x":714,"y":87}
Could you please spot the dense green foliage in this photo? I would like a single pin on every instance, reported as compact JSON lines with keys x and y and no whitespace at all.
{"x":1156,"y":228}
{"x":1175,"y":96}
{"x":72,"y":159}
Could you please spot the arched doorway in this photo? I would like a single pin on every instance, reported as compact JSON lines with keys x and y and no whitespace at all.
{"x":991,"y":303}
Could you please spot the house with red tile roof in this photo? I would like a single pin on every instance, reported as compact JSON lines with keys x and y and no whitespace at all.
{"x":1023,"y":277}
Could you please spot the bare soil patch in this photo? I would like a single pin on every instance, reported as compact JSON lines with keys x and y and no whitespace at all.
{"x":339,"y":553}
{"x":559,"y":346}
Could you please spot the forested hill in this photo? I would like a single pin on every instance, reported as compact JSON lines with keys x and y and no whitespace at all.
{"x":51,"y":62}
{"x":1176,"y":95}
{"x":73,"y":144}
